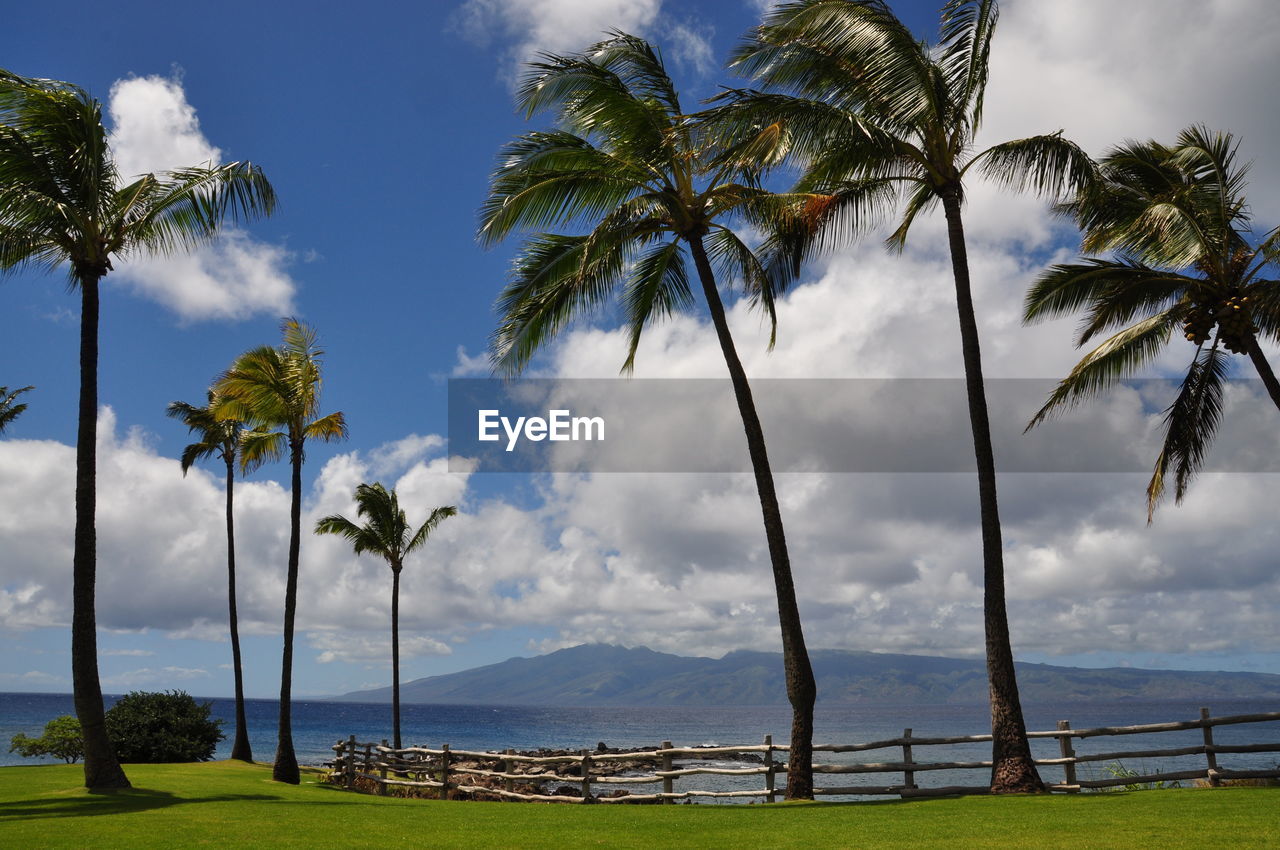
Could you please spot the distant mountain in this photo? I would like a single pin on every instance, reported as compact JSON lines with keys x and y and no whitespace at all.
{"x":599,"y":674}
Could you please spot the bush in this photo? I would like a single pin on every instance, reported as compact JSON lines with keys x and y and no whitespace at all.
{"x":61,"y":739}
{"x":164,"y":727}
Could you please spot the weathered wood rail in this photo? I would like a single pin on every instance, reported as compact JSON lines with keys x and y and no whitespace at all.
{"x":495,"y":774}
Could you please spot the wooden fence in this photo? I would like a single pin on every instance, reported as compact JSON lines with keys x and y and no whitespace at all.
{"x":589,"y":776}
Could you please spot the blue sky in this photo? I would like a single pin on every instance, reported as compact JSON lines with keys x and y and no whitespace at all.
{"x":378,"y":126}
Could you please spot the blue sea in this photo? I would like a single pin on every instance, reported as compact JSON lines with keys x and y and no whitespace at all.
{"x":318,"y":725}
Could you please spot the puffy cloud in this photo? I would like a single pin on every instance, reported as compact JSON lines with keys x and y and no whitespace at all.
{"x":535,"y":26}
{"x":1104,"y":72}
{"x":678,"y":562}
{"x":155,"y":129}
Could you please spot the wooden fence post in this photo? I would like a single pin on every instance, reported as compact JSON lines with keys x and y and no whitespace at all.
{"x":382,"y":770}
{"x":908,"y":775}
{"x":770,"y":774}
{"x":508,"y":766}
{"x":666,"y":766}
{"x":1068,"y":752}
{"x":444,"y":772}
{"x":350,"y":762}
{"x":1209,"y":754}
{"x":586,"y":776}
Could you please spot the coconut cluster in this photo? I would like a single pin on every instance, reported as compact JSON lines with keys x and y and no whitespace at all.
{"x":1230,"y":315}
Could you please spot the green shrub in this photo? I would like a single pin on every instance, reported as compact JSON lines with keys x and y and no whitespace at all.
{"x":61,"y":739}
{"x":156,"y":728}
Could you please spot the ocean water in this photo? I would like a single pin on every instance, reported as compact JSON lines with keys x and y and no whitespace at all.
{"x":318,"y":725}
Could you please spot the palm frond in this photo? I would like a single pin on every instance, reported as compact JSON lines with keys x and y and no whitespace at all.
{"x":361,"y":537}
{"x":589,"y":98}
{"x":855,"y":54}
{"x":259,"y":446}
{"x":807,"y":224}
{"x":546,"y":180}
{"x":1190,"y":423}
{"x":1048,"y":165}
{"x":1114,"y":360}
{"x":10,"y":411}
{"x":432,"y":522}
{"x":656,"y":287}
{"x":184,"y":208}
{"x":736,"y":260}
{"x":921,"y":198}
{"x":1264,"y":299}
{"x":554,"y":279}
{"x":965,"y":52}
{"x":327,"y":428}
{"x":1111,"y":291}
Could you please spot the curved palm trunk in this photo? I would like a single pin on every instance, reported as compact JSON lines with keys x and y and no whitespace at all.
{"x":101,"y":768}
{"x":285,"y":768}
{"x":1264,"y":370}
{"x":240,"y":748}
{"x":395,"y":654}
{"x":1013,"y":769}
{"x":802,"y":690}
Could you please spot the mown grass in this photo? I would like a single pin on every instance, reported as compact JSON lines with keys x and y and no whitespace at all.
{"x":232,"y":804}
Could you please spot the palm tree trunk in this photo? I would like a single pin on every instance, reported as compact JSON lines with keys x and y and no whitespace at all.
{"x":802,"y":690}
{"x":395,"y":654}
{"x":1013,"y":769}
{"x":1264,"y":370}
{"x":101,"y":768}
{"x":240,"y":749}
{"x":286,"y":764}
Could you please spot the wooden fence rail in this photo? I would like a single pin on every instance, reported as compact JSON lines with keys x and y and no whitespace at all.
{"x":582,"y":776}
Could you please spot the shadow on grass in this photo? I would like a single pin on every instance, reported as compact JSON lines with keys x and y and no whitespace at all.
{"x":112,"y":803}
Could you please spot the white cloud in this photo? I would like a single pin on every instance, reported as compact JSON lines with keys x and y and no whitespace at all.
{"x":148,"y":676}
{"x":235,"y":277}
{"x":555,"y":26}
{"x":155,"y":129}
{"x":678,"y":562}
{"x":129,"y":653}
{"x":690,"y":45}
{"x":373,"y":651}
{"x":471,"y":366}
{"x":1105,"y":72}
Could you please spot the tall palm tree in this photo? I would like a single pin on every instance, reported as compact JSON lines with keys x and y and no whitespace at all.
{"x":279,"y":387}
{"x":873,"y":114}
{"x":62,"y":201}
{"x":221,"y":438}
{"x":10,"y":411}
{"x":629,"y":167}
{"x":387,"y":534}
{"x":1178,"y":218}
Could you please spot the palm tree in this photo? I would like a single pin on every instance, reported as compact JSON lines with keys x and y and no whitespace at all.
{"x":873,"y":114}
{"x":220,"y":438}
{"x":629,"y":167}
{"x":386,"y":533}
{"x":8,"y":410}
{"x":63,"y":202}
{"x":1178,"y":218}
{"x":279,"y":387}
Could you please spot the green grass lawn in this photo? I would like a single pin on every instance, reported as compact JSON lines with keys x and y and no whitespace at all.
{"x":230,"y":804}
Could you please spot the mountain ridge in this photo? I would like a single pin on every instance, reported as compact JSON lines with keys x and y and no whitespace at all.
{"x":610,"y":675}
